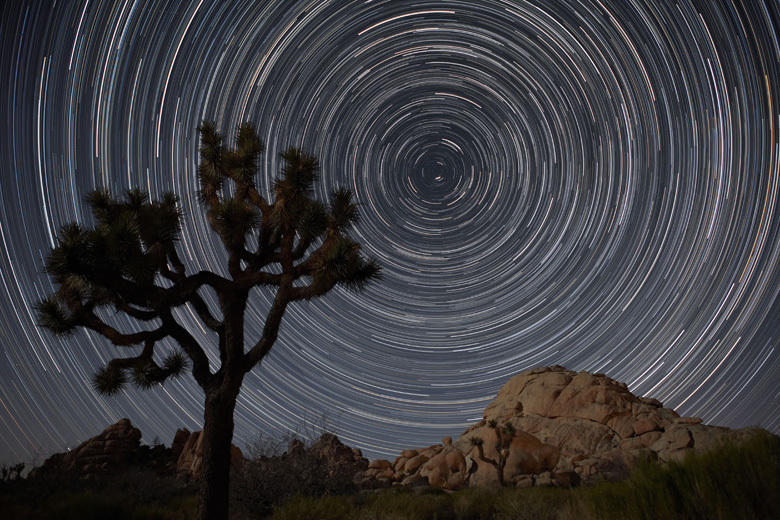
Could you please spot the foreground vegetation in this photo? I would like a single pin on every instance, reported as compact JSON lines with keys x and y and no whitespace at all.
{"x":131,"y":496}
{"x":735,"y":482}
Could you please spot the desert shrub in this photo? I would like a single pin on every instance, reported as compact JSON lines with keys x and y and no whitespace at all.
{"x":408,"y":504}
{"x":101,"y":504}
{"x":88,"y":505}
{"x":148,"y":487}
{"x":475,"y":503}
{"x":540,"y":503}
{"x":13,"y":472}
{"x":280,"y":468}
{"x":134,"y":495}
{"x":183,"y":507}
{"x":735,"y":481}
{"x":261,"y":483}
{"x":321,"y":508}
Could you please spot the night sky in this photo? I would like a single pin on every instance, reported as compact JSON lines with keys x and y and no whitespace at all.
{"x":586,"y":183}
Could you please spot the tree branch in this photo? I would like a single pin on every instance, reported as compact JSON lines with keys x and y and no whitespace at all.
{"x":204,"y":313}
{"x":307,"y":292}
{"x":259,"y":202}
{"x":252,"y":279}
{"x":136,"y":313}
{"x":145,"y":355}
{"x":200,"y":362}
{"x":270,"y":330}
{"x":91,"y":321}
{"x":182,"y":291}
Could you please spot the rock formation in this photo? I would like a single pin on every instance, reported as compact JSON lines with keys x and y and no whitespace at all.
{"x":119,"y":448}
{"x":339,"y":458}
{"x":116,"y":447}
{"x":190,"y":446}
{"x":568,"y":427}
{"x":546,"y":426}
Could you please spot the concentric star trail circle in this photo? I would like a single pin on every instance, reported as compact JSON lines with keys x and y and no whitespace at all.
{"x":585,"y":183}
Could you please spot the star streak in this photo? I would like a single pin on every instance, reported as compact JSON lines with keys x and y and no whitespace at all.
{"x":586,"y":183}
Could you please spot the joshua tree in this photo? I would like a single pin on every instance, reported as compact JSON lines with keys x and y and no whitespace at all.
{"x":504,"y":439}
{"x":293,"y":246}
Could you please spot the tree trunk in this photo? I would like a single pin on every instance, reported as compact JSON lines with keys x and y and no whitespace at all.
{"x":217,"y":437}
{"x":500,"y":469}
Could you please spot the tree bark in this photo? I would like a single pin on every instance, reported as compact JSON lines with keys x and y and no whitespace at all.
{"x":500,"y":470}
{"x":217,"y":438}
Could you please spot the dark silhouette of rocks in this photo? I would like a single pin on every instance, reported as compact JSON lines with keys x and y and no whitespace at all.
{"x":115,"y":449}
{"x":566,"y":428}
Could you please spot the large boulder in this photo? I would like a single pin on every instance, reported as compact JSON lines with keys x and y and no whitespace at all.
{"x":526,"y":455}
{"x":551,"y":392}
{"x":190,"y":462}
{"x":446,"y":470}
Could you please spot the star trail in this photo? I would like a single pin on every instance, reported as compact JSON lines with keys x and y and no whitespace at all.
{"x":586,"y":183}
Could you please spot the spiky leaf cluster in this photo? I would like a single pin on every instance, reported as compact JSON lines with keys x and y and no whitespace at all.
{"x":142,"y":371}
{"x":509,"y":430}
{"x":308,"y":238}
{"x":109,"y":380}
{"x":131,"y":242}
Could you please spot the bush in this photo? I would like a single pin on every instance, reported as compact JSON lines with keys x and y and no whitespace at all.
{"x":270,"y":477}
{"x":736,"y":481}
{"x":134,"y":495}
{"x":408,"y":504}
{"x":323,"y":508}
{"x":475,"y":503}
{"x":531,"y":504}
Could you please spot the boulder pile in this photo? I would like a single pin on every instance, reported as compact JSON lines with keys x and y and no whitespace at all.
{"x":112,"y":449}
{"x":118,"y":448}
{"x":442,"y":466}
{"x":339,"y":458}
{"x":553,"y":426}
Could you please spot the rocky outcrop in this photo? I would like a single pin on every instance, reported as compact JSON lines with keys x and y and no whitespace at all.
{"x":339,"y":458}
{"x":119,"y":448}
{"x":566,"y":427}
{"x":449,"y":466}
{"x":190,"y":460}
{"x":440,"y":465}
{"x":526,"y":455}
{"x":113,"y":449}
{"x":598,"y":425}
